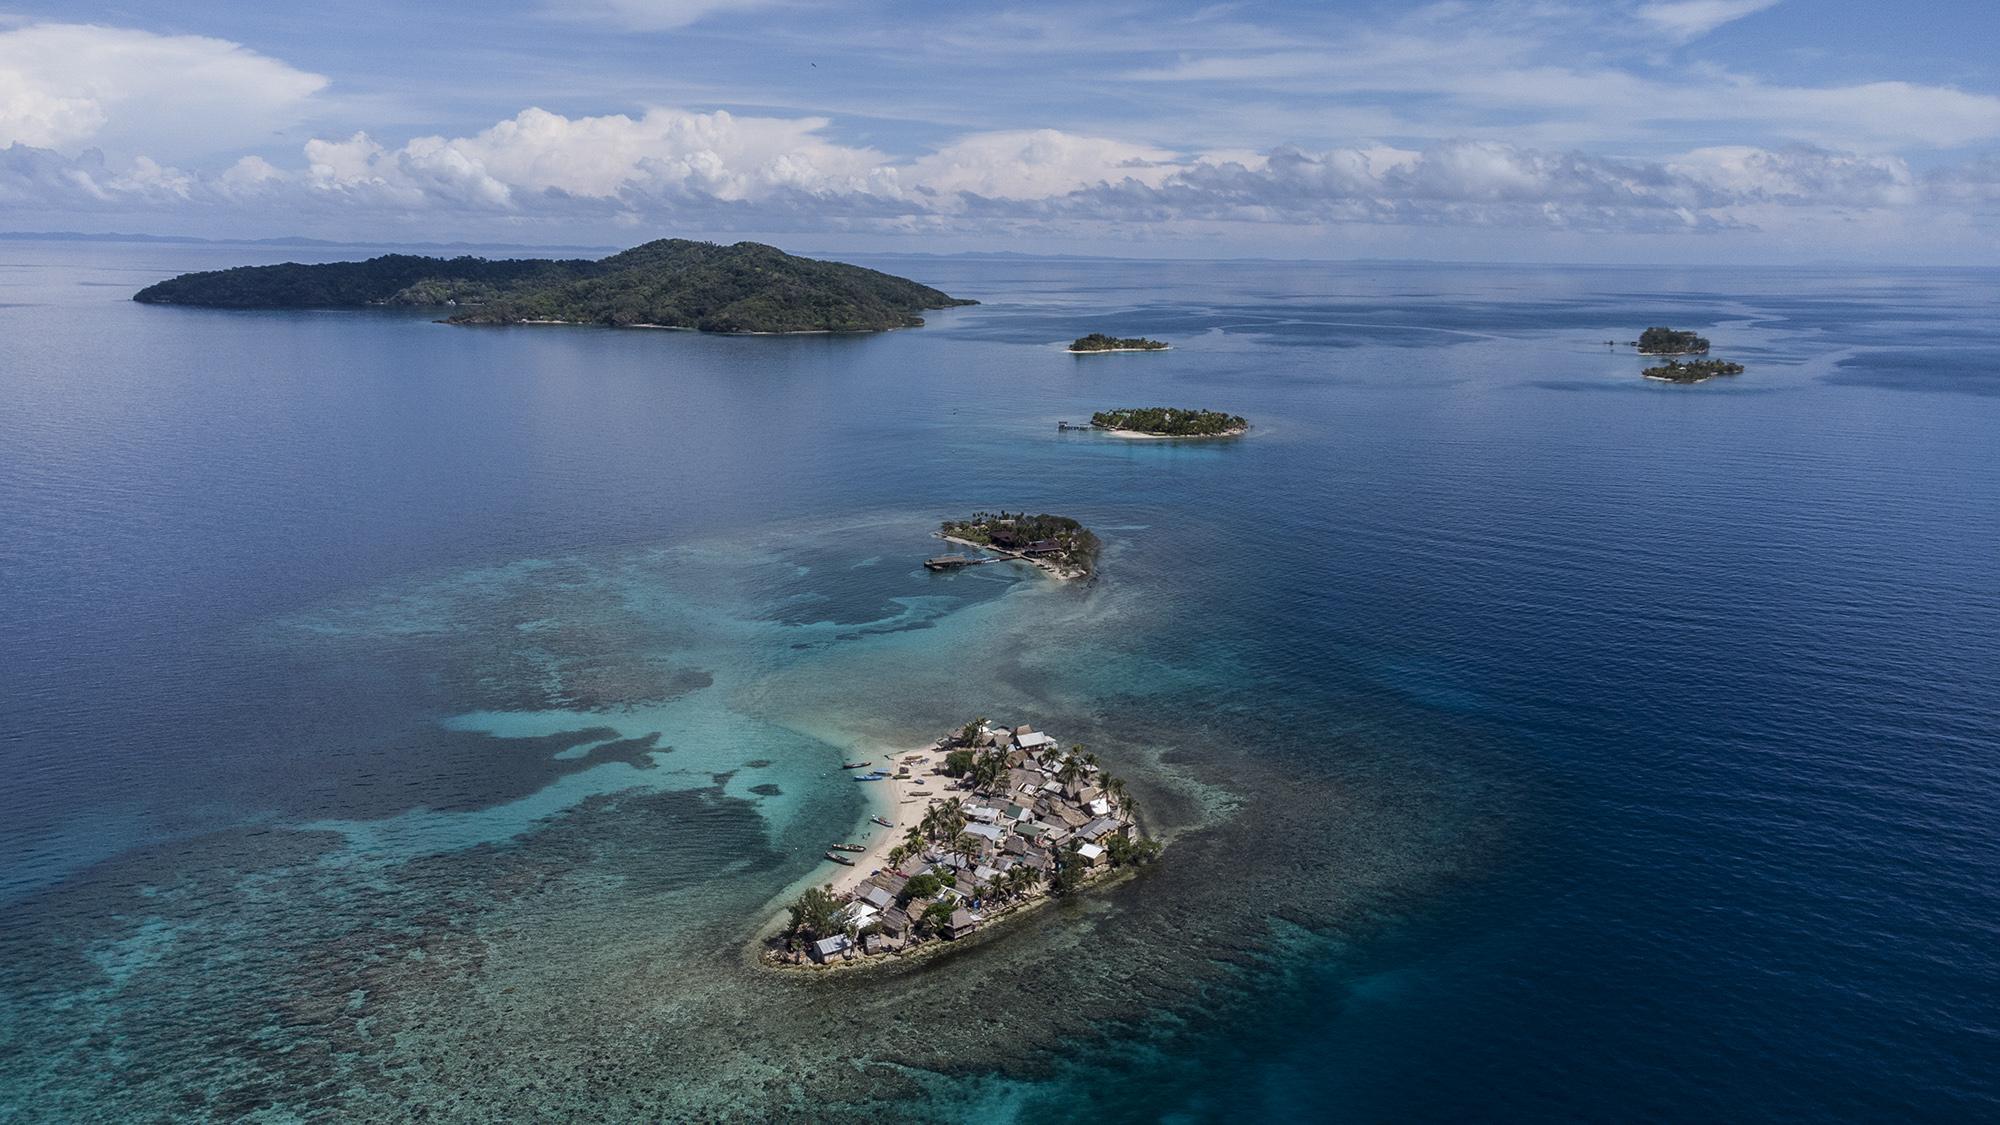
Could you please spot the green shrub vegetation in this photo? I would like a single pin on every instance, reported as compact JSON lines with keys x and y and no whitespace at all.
{"x":1666,"y":341}
{"x":1099,"y":342}
{"x":673,"y":283}
{"x":1059,"y":537}
{"x":1693,"y":371}
{"x":1170,"y":421}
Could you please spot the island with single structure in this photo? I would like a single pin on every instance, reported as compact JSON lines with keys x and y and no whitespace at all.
{"x":1693,"y":371}
{"x":1099,"y":342}
{"x":671,"y":283}
{"x":1025,"y":821}
{"x":1167,"y":421}
{"x":1666,"y":341}
{"x":1057,"y":544}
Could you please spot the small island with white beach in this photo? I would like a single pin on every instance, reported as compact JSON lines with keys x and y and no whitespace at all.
{"x":985,"y":822}
{"x":1059,"y":545}
{"x":1169,"y":422}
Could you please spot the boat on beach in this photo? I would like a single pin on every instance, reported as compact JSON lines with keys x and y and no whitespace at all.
{"x":856,"y":765}
{"x":840,"y":859}
{"x":849,"y":848}
{"x":883,"y":821}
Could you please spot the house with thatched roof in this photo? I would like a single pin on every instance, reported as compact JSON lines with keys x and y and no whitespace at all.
{"x":962,"y":923}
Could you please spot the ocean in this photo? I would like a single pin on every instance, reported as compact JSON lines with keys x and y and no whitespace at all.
{"x":404,"y":721}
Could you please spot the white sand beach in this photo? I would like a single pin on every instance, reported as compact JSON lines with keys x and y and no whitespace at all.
{"x":887,"y":799}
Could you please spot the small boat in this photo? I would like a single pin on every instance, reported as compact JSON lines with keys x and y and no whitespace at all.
{"x":878,"y":775}
{"x":849,"y":848}
{"x":883,"y":821}
{"x":840,"y":859}
{"x":856,"y":765}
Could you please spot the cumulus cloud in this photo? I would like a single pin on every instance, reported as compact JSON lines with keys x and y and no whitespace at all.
{"x":717,"y":171}
{"x":65,"y":86}
{"x":1803,"y":176}
{"x":1037,"y":164}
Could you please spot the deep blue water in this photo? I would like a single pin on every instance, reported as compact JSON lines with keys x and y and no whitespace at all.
{"x":1533,"y":741}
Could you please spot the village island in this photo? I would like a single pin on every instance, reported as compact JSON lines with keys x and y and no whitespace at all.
{"x":1693,"y":371}
{"x":1099,"y":342}
{"x":1058,"y":545}
{"x":744,"y":288}
{"x":1167,"y":421}
{"x":987,"y":821}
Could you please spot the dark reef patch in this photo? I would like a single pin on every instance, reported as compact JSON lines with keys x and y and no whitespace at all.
{"x":635,"y":752}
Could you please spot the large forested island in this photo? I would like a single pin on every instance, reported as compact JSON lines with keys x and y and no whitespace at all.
{"x":1167,"y":421}
{"x":1666,"y":341}
{"x":1693,"y":371}
{"x":1099,"y":342}
{"x":671,"y":283}
{"x":1057,"y":544}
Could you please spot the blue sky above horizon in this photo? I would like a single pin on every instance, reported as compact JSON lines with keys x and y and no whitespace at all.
{"x":1665,"y":130}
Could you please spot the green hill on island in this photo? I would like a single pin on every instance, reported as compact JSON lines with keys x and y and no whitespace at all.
{"x":671,"y":283}
{"x":1167,"y":421}
{"x":1099,"y":342}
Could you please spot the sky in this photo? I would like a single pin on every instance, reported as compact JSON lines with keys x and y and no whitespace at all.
{"x":1687,"y":131}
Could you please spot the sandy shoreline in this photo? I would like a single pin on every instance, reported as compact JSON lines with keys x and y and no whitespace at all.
{"x":886,"y":801}
{"x":1049,"y":569}
{"x":1145,"y":435}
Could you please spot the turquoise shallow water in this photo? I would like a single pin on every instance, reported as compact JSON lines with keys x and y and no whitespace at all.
{"x":402,"y":718}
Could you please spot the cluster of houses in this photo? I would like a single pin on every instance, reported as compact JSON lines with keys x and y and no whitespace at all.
{"x":1022,"y":810}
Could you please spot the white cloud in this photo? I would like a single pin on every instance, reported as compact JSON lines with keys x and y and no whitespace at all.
{"x":653,"y":15}
{"x":1036,"y":164}
{"x":63,"y":86}
{"x":1692,"y":19}
{"x":1803,"y":176}
{"x":1556,"y":75}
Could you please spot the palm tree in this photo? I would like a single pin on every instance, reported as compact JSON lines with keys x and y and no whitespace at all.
{"x":967,"y":846}
{"x":1071,"y":768}
{"x":1021,"y":879}
{"x":897,"y":855}
{"x":990,"y":770}
{"x":950,"y":819}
